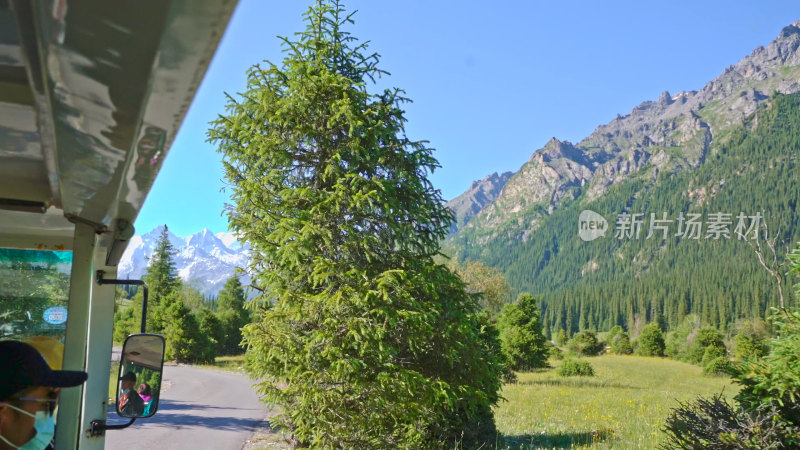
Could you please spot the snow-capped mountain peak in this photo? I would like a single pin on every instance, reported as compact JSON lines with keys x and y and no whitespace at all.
{"x":204,"y":260}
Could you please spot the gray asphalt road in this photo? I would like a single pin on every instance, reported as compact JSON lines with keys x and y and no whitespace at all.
{"x":201,"y":409}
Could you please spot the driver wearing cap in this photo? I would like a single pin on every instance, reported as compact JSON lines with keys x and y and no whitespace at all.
{"x":28,"y":396}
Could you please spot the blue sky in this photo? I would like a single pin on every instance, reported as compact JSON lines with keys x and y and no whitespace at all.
{"x":490,"y":84}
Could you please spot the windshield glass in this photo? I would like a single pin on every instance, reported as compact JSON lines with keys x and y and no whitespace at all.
{"x":34,"y":287}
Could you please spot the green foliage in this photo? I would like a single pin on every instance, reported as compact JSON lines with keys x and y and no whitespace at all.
{"x":717,"y":366}
{"x":192,"y":298}
{"x":171,"y":311}
{"x":488,"y":282}
{"x":679,"y":341}
{"x":211,"y":327}
{"x":585,"y":343}
{"x":775,"y":378}
{"x":185,"y":342}
{"x":621,"y":343}
{"x":561,"y":337}
{"x":555,"y":352}
{"x":651,"y":341}
{"x":162,"y":281}
{"x":706,"y":337}
{"x":368,"y":343}
{"x":716,"y":424}
{"x":232,"y":316}
{"x":748,"y":347}
{"x":126,"y":322}
{"x":521,"y":335}
{"x":713,"y":352}
{"x":575,"y":368}
{"x":769,"y":400}
{"x":750,"y":340}
{"x":612,"y":333}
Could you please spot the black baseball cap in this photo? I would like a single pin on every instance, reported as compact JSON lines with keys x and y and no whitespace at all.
{"x":24,"y":367}
{"x":129,"y":376}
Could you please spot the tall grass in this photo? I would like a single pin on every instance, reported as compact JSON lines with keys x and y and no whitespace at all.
{"x":623,"y":406}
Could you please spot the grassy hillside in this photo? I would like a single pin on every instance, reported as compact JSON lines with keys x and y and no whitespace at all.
{"x":623,"y":406}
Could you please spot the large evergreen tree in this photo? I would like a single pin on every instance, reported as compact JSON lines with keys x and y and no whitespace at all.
{"x":369,"y":343}
{"x":162,"y":281}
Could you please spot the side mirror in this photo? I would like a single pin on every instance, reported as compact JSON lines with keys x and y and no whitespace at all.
{"x":139,"y":382}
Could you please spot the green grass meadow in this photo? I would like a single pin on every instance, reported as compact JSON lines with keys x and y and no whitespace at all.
{"x":623,"y":406}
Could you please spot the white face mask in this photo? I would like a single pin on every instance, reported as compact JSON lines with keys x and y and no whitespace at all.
{"x":45,"y":426}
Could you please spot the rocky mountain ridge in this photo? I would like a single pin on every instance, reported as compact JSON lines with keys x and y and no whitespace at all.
{"x":480,"y":193}
{"x":670,"y":134}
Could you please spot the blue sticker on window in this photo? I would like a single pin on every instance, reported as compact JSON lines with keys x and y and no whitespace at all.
{"x":55,"y":315}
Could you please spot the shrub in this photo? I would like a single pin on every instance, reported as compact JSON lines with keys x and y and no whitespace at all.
{"x":775,"y":378}
{"x":575,"y":368}
{"x":585,"y":343}
{"x":621,"y":344}
{"x":750,"y":340}
{"x":677,"y":345}
{"x":714,"y":423}
{"x":717,"y":366}
{"x":613,"y":332}
{"x":556,"y":353}
{"x":748,"y":347}
{"x":185,"y":342}
{"x":651,"y":341}
{"x":713,"y":352}
{"x":212,"y":327}
{"x":706,"y":337}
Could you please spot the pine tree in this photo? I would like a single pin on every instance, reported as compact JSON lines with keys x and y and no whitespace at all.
{"x":212,"y":327}
{"x":184,"y":340}
{"x":162,"y":280}
{"x":521,"y":334}
{"x":368,"y":342}
{"x":232,"y":316}
{"x":561,"y":338}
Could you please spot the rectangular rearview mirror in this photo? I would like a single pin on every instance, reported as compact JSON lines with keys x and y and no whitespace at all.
{"x":139,"y":382}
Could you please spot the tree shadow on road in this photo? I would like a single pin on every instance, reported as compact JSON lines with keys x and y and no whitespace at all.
{"x":181,"y":415}
{"x":177,"y":405}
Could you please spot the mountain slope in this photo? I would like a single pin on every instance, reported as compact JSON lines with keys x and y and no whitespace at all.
{"x":479,"y":194}
{"x":730,"y":148}
{"x":671,"y":134}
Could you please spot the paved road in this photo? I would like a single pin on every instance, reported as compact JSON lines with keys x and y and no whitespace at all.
{"x":201,"y":409}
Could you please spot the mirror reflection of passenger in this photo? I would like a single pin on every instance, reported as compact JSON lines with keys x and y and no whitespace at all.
{"x":147,"y":396}
{"x":130,"y":403}
{"x":145,"y":392}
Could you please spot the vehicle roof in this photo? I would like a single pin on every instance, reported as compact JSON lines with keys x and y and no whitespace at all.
{"x":92,"y":93}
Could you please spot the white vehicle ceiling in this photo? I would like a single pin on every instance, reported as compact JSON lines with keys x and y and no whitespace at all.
{"x":92,"y":93}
